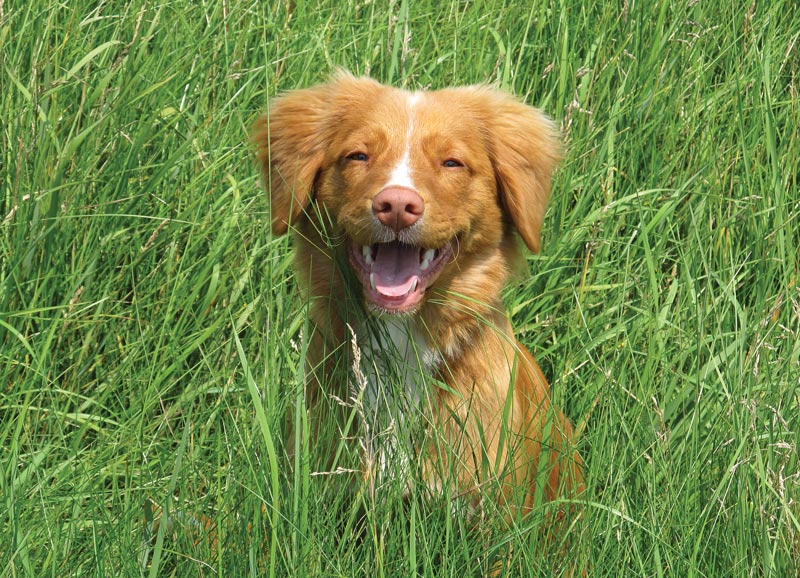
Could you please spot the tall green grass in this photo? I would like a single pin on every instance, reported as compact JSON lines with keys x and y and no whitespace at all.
{"x":150,"y":326}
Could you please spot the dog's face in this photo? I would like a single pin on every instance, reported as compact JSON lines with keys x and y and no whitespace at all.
{"x":412,"y":182}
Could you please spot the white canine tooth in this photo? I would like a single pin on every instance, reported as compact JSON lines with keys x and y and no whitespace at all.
{"x":414,"y":285}
{"x":427,"y":257}
{"x":366,"y":250}
{"x":372,"y":281}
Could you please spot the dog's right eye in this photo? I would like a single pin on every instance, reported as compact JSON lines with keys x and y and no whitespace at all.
{"x":358,"y":156}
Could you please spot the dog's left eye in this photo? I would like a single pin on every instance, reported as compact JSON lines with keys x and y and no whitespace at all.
{"x":358,"y":156}
{"x":452,"y":163}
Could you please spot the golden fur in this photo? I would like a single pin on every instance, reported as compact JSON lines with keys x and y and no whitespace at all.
{"x":481,"y":163}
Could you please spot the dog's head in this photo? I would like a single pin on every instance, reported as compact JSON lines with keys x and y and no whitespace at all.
{"x":410,"y":180}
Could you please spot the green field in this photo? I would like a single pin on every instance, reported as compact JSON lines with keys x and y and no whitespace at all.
{"x":150,"y":326}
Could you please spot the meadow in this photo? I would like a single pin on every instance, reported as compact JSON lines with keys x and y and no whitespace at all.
{"x":151,"y":329}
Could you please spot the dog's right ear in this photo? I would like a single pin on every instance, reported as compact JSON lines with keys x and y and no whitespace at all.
{"x":290,"y":143}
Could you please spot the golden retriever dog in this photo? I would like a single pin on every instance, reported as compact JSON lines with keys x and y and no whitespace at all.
{"x":406,"y":210}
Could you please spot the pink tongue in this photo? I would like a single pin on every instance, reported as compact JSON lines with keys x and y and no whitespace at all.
{"x":395,"y":268}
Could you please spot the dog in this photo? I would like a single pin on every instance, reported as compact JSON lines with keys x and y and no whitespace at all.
{"x":406,"y":210}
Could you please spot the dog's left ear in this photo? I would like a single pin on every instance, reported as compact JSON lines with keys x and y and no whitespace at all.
{"x":525,"y":150}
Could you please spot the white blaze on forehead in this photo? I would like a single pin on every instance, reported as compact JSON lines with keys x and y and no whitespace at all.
{"x":401,"y":174}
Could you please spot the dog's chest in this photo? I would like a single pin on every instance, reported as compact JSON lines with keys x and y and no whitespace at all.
{"x":395,"y":362}
{"x":395,"y":359}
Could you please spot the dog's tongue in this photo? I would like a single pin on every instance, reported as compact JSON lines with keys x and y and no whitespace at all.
{"x":395,"y":269}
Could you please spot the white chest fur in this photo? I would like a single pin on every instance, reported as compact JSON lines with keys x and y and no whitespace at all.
{"x":394,"y":362}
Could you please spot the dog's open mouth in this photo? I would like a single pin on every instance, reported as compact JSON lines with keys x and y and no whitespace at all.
{"x":395,"y":275}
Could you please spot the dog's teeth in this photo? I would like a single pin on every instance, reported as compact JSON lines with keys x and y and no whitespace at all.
{"x":372,"y":281}
{"x":414,"y":285}
{"x":427,"y":257}
{"x":366,"y":250}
